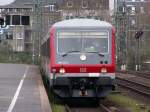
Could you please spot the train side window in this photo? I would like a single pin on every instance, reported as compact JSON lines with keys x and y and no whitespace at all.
{"x":48,"y":47}
{"x":44,"y":49}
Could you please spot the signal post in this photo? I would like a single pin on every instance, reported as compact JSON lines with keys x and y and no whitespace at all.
{"x":138,"y":36}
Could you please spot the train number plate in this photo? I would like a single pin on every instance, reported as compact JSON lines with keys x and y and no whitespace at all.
{"x":83,"y":70}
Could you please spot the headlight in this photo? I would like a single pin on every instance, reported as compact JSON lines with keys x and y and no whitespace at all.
{"x":103,"y":70}
{"x":62,"y":71}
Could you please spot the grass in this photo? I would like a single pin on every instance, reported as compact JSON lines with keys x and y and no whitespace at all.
{"x":21,"y":57}
{"x":56,"y":103}
{"x":124,"y":101}
{"x":8,"y":56}
{"x":57,"y":108}
{"x":131,"y":104}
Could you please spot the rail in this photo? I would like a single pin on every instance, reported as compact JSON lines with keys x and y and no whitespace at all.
{"x":106,"y":109}
{"x":144,"y":74}
{"x":134,"y":86}
{"x":100,"y":108}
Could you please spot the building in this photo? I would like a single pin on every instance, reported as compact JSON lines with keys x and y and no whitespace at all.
{"x":19,"y":20}
{"x":98,"y":9}
{"x":30,"y":20}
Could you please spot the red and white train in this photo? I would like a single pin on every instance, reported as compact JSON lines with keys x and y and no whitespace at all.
{"x":78,"y":57}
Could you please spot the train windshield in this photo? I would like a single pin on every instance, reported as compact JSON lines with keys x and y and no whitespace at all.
{"x":84,"y":41}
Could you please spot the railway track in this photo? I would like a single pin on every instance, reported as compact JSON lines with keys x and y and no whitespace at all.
{"x":100,"y":108}
{"x":144,"y":74}
{"x":105,"y":109}
{"x":67,"y":108}
{"x":134,"y":86}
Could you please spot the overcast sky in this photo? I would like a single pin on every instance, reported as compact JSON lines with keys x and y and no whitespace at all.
{"x":5,"y":2}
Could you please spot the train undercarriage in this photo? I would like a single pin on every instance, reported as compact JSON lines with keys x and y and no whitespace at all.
{"x":76,"y":87}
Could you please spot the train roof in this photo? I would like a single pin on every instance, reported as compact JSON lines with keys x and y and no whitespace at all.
{"x":82,"y":23}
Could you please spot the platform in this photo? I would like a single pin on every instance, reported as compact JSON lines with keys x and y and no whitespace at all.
{"x":21,"y":89}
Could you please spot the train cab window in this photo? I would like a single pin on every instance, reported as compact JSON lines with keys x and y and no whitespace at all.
{"x":69,"y":41}
{"x":96,"y":42}
{"x":83,"y":41}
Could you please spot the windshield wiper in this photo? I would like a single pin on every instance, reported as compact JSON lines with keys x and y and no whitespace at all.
{"x":65,"y":54}
{"x":100,"y":54}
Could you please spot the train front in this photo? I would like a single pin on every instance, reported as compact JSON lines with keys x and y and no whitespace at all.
{"x":82,"y":58}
